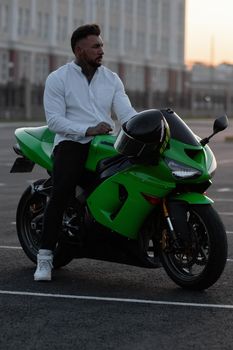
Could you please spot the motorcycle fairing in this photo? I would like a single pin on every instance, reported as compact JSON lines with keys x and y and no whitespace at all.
{"x":192,"y":198}
{"x":36,"y":144}
{"x":126,"y":214}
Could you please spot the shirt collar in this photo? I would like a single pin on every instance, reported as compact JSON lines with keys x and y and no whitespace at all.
{"x":79,"y":69}
{"x":75,"y":66}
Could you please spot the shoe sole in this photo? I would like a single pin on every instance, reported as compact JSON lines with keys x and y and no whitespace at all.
{"x":38,"y":279}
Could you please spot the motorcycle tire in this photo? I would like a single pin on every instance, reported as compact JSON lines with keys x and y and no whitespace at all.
{"x":201,"y":263}
{"x":29,"y":217}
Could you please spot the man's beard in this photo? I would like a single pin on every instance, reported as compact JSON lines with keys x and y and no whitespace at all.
{"x":95,"y":63}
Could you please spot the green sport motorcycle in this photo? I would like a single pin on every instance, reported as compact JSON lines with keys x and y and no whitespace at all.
{"x":126,"y":211}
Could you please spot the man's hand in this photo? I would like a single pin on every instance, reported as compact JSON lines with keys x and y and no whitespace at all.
{"x":101,"y":128}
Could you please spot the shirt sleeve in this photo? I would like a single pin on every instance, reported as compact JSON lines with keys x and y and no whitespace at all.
{"x":121,"y":103}
{"x":55,"y":109}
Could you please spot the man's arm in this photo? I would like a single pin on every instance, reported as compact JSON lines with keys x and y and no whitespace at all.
{"x":101,"y":128}
{"x":121,"y":103}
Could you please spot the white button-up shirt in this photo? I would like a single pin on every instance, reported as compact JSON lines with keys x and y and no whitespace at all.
{"x":72,"y":105}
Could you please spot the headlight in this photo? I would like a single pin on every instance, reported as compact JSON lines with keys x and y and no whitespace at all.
{"x":213,"y":166}
{"x":181,"y":171}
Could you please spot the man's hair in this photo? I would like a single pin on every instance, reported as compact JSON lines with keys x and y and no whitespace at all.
{"x":82,"y":32}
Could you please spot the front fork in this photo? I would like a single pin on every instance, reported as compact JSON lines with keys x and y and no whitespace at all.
{"x":168,"y":233}
{"x":167,"y":218}
{"x":175,"y":211}
{"x":176,"y":216}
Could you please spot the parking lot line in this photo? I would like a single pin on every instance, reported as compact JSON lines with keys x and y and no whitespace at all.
{"x":222,"y":199}
{"x":226,"y":213}
{"x":225,"y":161}
{"x":117,"y":300}
{"x":9,"y":247}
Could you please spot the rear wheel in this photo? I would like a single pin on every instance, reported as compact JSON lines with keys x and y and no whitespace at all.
{"x":29,"y":219}
{"x":198,"y":264}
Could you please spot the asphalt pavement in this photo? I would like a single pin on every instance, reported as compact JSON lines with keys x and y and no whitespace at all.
{"x":99,"y":305}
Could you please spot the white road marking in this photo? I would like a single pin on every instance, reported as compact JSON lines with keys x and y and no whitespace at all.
{"x":9,"y":247}
{"x":225,"y":161}
{"x":6,"y":164}
{"x":225,"y":213}
{"x":224,"y":189}
{"x":222,"y":199}
{"x":116,"y":300}
{"x":2,"y":184}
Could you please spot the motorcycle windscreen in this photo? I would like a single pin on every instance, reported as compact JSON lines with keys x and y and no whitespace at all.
{"x":178,"y":129}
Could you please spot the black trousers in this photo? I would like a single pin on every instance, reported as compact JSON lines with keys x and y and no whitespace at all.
{"x":68,"y":169}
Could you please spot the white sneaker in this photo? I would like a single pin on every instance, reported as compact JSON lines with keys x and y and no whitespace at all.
{"x":44,"y":265}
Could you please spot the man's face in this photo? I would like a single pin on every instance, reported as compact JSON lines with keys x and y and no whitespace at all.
{"x":90,"y":50}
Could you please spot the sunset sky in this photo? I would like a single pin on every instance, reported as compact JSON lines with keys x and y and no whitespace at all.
{"x":209,"y":31}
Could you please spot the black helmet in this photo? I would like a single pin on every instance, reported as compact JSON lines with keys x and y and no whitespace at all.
{"x":144,"y":136}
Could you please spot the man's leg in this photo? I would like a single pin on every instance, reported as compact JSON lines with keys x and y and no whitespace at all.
{"x":69,"y":164}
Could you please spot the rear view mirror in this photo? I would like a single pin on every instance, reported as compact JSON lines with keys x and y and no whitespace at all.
{"x":220,"y":124}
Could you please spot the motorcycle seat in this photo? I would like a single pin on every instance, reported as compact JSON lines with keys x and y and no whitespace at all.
{"x":41,"y":133}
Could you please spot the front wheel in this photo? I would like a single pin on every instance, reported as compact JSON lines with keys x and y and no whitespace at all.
{"x":199,"y":263}
{"x":29,"y":219}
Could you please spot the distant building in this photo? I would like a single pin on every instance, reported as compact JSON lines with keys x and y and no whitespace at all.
{"x":143,"y":43}
{"x":144,"y":39}
{"x":211,"y":88}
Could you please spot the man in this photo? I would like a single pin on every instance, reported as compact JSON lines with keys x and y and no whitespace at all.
{"x":79,"y":98}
